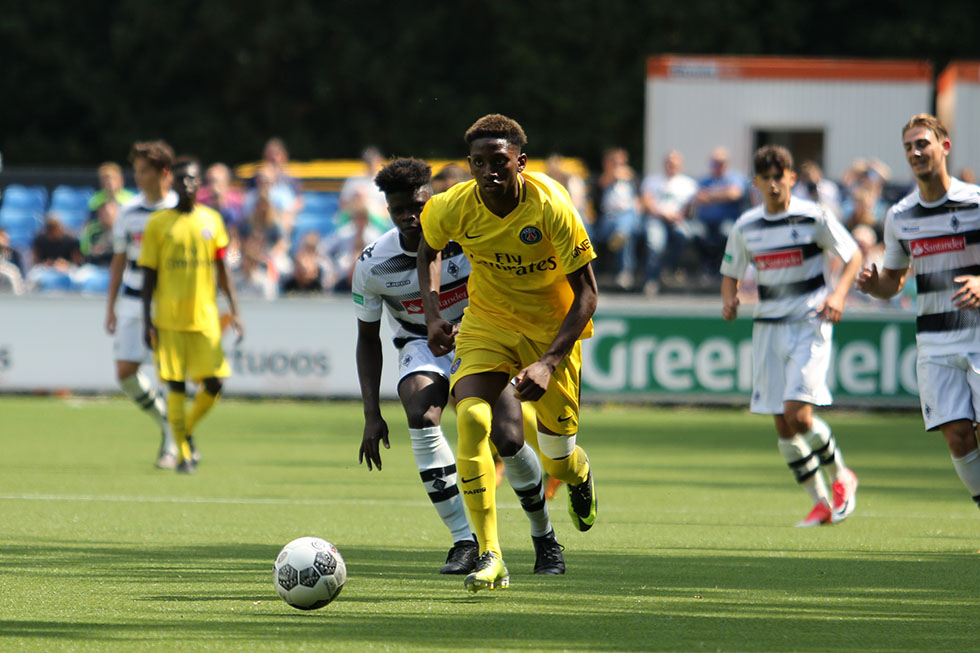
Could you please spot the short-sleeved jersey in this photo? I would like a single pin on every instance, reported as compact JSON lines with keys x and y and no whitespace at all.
{"x":385,"y":275}
{"x":127,"y":234}
{"x":519,"y":262}
{"x":942,"y":238}
{"x":182,"y":248}
{"x":788,"y":252}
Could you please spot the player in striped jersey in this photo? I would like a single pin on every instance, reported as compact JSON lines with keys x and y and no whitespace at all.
{"x":151,"y":166}
{"x":786,"y":238}
{"x":385,"y":275}
{"x":936,"y":228}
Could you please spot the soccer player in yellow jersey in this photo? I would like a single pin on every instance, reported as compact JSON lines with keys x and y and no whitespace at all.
{"x":532,"y":295}
{"x":182,"y":254}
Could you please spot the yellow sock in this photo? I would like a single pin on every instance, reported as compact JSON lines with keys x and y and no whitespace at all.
{"x":203,"y":402}
{"x":175,"y":415}
{"x":474,"y":463}
{"x":572,"y":470}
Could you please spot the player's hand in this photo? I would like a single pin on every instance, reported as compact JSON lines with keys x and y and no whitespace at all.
{"x":442,"y":336}
{"x":831,"y":310}
{"x":110,"y":322}
{"x":375,"y":431}
{"x":239,"y":328}
{"x":867,"y":281}
{"x":150,"y":336}
{"x":531,"y":383}
{"x":968,"y":296}
{"x":729,"y":310}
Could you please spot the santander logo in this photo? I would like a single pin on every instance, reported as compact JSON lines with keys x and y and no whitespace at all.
{"x":930,"y":246}
{"x":786,"y":258}
{"x":446,"y":299}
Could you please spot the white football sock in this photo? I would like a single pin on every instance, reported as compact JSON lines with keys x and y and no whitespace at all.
{"x":139,"y":388}
{"x":437,"y":468}
{"x":804,"y":465}
{"x":525,"y":476}
{"x":968,"y":469}
{"x":824,"y":446}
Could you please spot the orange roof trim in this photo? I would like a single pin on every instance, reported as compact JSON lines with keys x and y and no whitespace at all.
{"x":708,"y":67}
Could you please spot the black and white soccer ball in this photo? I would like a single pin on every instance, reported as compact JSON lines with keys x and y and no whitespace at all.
{"x":309,"y":573}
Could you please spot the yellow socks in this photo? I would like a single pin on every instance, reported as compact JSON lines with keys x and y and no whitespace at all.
{"x":477,"y":476}
{"x":175,"y":415}
{"x":203,"y":402}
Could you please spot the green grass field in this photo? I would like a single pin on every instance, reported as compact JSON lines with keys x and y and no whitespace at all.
{"x":694,"y":548}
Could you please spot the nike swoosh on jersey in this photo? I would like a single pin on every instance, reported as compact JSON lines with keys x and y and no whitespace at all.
{"x":471,"y":237}
{"x":470,"y":480}
{"x":564,"y":419}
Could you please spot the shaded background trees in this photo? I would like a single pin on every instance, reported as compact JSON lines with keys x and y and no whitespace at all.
{"x":81,"y":81}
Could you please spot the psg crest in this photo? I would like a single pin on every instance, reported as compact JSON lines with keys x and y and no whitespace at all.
{"x":530,"y":235}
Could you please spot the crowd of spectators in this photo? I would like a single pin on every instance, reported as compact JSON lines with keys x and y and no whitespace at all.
{"x":662,"y":233}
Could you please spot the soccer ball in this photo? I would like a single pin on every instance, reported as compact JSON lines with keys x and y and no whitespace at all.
{"x":309,"y":573}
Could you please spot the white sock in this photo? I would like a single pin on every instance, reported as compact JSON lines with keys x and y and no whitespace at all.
{"x":804,"y":465}
{"x":968,"y":469}
{"x":139,"y":388}
{"x":525,"y":476}
{"x":437,"y":468}
{"x":824,"y":446}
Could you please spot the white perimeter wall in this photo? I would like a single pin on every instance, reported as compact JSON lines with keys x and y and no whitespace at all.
{"x":965,"y":128}
{"x":859,"y":119}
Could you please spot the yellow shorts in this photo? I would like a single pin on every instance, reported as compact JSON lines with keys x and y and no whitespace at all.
{"x":182,"y":355}
{"x":482,"y":349}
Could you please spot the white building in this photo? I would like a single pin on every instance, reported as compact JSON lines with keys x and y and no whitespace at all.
{"x":958,"y":106}
{"x":831,"y":110}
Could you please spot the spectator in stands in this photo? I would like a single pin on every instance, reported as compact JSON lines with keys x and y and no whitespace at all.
{"x":273,"y":181}
{"x":264,"y":218}
{"x":719,"y":201}
{"x":111,"y":187}
{"x":9,"y":253}
{"x":364,"y":185}
{"x":813,"y":186}
{"x":256,"y":275}
{"x":862,"y":212}
{"x":666,"y":201}
{"x":96,"y":241}
{"x":11,"y":273}
{"x":218,"y":193}
{"x":55,"y":247}
{"x":361,"y":201}
{"x":450,"y":175}
{"x":869,"y":175}
{"x":873,"y":252}
{"x":967,"y":175}
{"x":618,"y":221}
{"x":575,"y":186}
{"x":308,"y":277}
{"x":342,"y":248}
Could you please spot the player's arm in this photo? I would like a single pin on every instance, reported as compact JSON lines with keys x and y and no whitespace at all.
{"x":833,"y":306}
{"x":442,"y":333}
{"x":369,"y":362}
{"x":729,"y":298}
{"x":532,"y":381}
{"x":116,"y":268}
{"x":883,"y":285}
{"x":227,"y":286}
{"x":146,"y":294}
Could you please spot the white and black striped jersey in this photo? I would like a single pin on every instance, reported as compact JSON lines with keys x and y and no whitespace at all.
{"x":127,"y":236}
{"x":788,"y":252}
{"x":385,"y":274}
{"x":942,"y":239}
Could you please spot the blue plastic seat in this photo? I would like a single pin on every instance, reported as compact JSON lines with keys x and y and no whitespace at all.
{"x":31,"y":198}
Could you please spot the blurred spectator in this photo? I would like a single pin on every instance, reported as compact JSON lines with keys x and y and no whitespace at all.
{"x":342,"y":248}
{"x":9,"y":253}
{"x":360,"y":202}
{"x":575,"y":186}
{"x":111,"y":187}
{"x":719,"y":201}
{"x":217,"y":192}
{"x":618,"y":221}
{"x":273,"y":181}
{"x":873,"y":251}
{"x":364,"y":185}
{"x":95,"y":242}
{"x":862,"y":212}
{"x":967,"y":175}
{"x":869,"y":175}
{"x":666,"y":201}
{"x":256,"y":275}
{"x":56,"y":257}
{"x":450,"y":175}
{"x":812,"y":185}
{"x":308,"y":277}
{"x":262,"y":222}
{"x":11,"y":273}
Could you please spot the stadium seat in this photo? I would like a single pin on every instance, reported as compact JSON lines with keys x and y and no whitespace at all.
{"x":91,"y":279}
{"x":21,"y":225}
{"x":320,"y":203}
{"x":53,"y":280}
{"x":71,"y":205}
{"x":31,"y":198}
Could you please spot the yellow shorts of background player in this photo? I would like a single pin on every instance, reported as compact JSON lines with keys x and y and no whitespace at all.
{"x":489,"y":349}
{"x":183,"y":355}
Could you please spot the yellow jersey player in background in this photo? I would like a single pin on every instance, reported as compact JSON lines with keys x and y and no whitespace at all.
{"x":532,"y":295}
{"x":182,"y":255}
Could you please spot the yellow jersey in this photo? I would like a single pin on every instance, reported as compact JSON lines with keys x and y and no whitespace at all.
{"x":182,"y":247}
{"x":518,"y":262}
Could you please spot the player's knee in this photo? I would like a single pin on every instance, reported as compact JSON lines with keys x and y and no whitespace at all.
{"x":422,"y":417}
{"x":473,"y":420}
{"x":798,"y":420}
{"x":961,"y":438}
{"x":507,"y":438}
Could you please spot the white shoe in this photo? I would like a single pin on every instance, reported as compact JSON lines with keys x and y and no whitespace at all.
{"x":166,"y":460}
{"x":845,"y":495}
